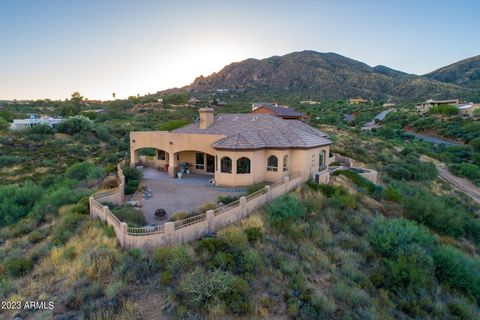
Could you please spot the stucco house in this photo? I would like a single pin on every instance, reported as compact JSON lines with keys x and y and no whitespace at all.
{"x":238,"y":149}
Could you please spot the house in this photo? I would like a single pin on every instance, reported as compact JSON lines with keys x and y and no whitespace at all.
{"x":350,"y":118}
{"x":467,"y":110}
{"x":238,"y":149}
{"x":193,"y":100}
{"x":430,"y":103}
{"x":283,"y":112}
{"x":388,"y":105}
{"x":357,"y":101}
{"x":33,"y":121}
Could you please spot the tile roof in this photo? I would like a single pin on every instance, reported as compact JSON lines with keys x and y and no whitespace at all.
{"x":284,"y":111}
{"x":259,"y":131}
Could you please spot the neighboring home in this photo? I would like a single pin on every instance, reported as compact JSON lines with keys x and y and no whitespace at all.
{"x":283,"y":112}
{"x":357,"y":101}
{"x":430,"y":103}
{"x":222,"y":90}
{"x":193,"y":100}
{"x":350,"y":118}
{"x":374,"y":124}
{"x":389,"y":105}
{"x":464,"y":109}
{"x":98,"y":111}
{"x":467,"y":110}
{"x":310,"y":102}
{"x":33,"y":121}
{"x":238,"y":149}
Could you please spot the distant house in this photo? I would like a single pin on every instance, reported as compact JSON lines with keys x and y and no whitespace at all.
{"x":94,"y":111}
{"x":357,"y":101}
{"x":430,"y":103}
{"x":464,"y":109}
{"x":222,"y":90}
{"x":350,"y":118}
{"x":283,"y":112}
{"x":35,"y":120}
{"x":310,"y":102}
{"x":467,"y":110}
{"x":193,"y":100}
{"x":389,"y":105}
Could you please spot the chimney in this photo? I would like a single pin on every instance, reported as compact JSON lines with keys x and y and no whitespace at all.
{"x":206,"y":117}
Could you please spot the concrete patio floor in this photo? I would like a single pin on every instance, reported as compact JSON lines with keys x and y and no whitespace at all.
{"x":175,"y":195}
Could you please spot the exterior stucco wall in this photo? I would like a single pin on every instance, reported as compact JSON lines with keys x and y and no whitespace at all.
{"x":304,"y":161}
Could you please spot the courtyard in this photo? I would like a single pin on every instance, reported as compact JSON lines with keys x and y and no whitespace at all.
{"x":174,"y":195}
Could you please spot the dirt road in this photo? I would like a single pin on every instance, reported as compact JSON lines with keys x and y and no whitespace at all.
{"x":458,"y":183}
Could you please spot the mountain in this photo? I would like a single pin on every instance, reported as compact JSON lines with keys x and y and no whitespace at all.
{"x":326,"y":76}
{"x":464,"y":73}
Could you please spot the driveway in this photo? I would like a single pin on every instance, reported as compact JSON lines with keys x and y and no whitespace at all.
{"x":461,"y":184}
{"x":174,"y":195}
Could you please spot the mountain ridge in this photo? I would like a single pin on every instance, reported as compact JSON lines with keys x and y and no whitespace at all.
{"x":327,"y":76}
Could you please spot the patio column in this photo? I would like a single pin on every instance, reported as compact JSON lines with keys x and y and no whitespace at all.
{"x":172,"y":164}
{"x":134,"y":158}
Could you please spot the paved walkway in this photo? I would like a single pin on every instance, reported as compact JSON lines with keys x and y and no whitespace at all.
{"x":175,"y":195}
{"x":461,"y":184}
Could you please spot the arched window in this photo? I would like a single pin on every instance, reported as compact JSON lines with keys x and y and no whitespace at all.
{"x":272,"y":163}
{"x":243,"y":165}
{"x":285,"y":163}
{"x":321,"y":160}
{"x":226,"y":165}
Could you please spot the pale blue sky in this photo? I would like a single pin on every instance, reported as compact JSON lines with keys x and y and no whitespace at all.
{"x":51,"y":48}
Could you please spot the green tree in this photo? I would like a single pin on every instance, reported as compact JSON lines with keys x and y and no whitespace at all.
{"x":3,"y":125}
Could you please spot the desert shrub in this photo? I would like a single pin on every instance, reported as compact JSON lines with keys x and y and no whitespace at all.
{"x":389,"y":236}
{"x":135,"y":266}
{"x":392,"y":194}
{"x":357,"y":179}
{"x":4,"y":125}
{"x":284,"y":211}
{"x":100,"y":262}
{"x":66,"y":228}
{"x":133,"y":176}
{"x":410,"y":269}
{"x":227,"y":199}
{"x":172,"y":125}
{"x":76,"y":124}
{"x":9,"y":160}
{"x":174,"y":260}
{"x":110,"y":182}
{"x":205,"y":289}
{"x":435,"y":212}
{"x":57,"y":198}
{"x":458,"y":270}
{"x":328,"y":190}
{"x":41,"y":128}
{"x":180,"y":215}
{"x":254,"y":234}
{"x":16,"y":266}
{"x":255,"y":187}
{"x":133,"y":217}
{"x":16,"y":201}
{"x":444,"y":109}
{"x":467,"y":170}
{"x":79,"y":171}
{"x":411,"y":168}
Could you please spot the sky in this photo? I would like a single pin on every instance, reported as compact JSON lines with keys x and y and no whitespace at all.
{"x":51,"y":48}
